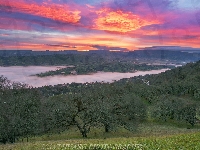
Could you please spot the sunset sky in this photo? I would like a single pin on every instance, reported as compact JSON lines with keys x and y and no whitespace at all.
{"x":98,"y":24}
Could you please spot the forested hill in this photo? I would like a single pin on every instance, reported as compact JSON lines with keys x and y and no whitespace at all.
{"x":181,"y":82}
{"x":188,"y":73}
{"x":171,"y":97}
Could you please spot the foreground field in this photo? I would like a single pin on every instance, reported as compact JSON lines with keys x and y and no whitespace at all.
{"x":151,"y":136}
{"x":183,"y":142}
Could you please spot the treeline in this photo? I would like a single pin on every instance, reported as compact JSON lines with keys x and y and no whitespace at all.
{"x":114,"y":66}
{"x":41,"y":60}
{"x":170,"y":96}
{"x":146,"y":54}
{"x":11,"y":58}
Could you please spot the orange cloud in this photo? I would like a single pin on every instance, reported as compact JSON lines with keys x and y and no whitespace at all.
{"x":119,"y":21}
{"x":52,"y":11}
{"x":96,"y":39}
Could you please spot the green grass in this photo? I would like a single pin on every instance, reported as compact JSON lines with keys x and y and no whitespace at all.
{"x":149,"y":136}
{"x":183,"y":141}
{"x":145,"y":129}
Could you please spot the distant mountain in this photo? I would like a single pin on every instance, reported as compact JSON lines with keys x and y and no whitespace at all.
{"x":173,"y":48}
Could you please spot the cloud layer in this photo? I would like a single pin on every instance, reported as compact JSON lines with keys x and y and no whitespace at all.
{"x":91,"y":24}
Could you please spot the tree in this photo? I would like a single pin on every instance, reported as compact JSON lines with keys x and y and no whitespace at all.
{"x":74,"y":109}
{"x":174,"y":108}
{"x":18,"y":111}
{"x":84,"y":114}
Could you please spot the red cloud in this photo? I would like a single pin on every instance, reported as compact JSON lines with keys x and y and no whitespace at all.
{"x":56,"y":12}
{"x":119,"y":21}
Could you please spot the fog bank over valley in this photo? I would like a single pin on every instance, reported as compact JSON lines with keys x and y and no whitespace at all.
{"x":23,"y":74}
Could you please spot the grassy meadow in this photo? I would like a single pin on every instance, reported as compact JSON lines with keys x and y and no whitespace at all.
{"x":151,"y":136}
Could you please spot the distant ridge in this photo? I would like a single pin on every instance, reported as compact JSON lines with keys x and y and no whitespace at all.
{"x":174,"y":48}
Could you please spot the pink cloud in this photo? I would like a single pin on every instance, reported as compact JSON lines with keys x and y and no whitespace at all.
{"x":57,"y":12}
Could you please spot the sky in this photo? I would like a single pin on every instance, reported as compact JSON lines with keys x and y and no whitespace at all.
{"x":98,"y":24}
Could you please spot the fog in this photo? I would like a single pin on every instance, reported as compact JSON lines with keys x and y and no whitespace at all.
{"x":23,"y":74}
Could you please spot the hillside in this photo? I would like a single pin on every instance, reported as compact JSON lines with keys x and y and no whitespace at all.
{"x":105,"y":109}
{"x":189,"y":72}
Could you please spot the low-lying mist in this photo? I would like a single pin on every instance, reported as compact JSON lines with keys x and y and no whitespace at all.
{"x":23,"y":74}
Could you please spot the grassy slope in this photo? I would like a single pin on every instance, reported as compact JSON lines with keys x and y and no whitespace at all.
{"x":183,"y":141}
{"x":149,"y":136}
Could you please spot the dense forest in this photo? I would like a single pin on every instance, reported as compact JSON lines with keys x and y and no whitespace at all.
{"x":19,"y":56}
{"x":41,"y":58}
{"x":172,"y":96}
{"x":114,"y":66}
